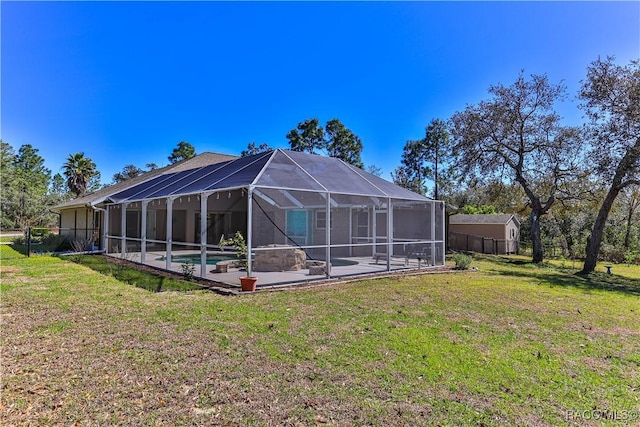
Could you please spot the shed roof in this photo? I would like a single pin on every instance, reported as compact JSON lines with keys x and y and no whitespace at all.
{"x":483,"y":219}
{"x":104,"y":193}
{"x":282,"y":169}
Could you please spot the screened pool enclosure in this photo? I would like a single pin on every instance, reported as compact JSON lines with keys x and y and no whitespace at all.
{"x":303,"y":217}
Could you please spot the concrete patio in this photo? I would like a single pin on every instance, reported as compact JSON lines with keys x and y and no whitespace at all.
{"x":358,"y":266}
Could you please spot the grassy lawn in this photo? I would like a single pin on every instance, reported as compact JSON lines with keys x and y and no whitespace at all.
{"x":6,"y":239}
{"x":510,"y":344}
{"x":132,"y":276}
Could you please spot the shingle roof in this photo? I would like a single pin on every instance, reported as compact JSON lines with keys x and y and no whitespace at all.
{"x":482,"y":219}
{"x":103,"y":193}
{"x":282,"y":169}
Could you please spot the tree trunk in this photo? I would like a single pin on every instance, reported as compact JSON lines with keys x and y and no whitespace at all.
{"x":536,"y":237}
{"x":627,"y":234}
{"x":595,"y":239}
{"x":634,"y":203}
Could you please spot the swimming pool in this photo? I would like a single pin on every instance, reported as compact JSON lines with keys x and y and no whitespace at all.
{"x":342,"y":262}
{"x":212,"y":259}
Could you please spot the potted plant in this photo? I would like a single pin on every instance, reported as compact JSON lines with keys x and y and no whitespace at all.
{"x":248,"y":282}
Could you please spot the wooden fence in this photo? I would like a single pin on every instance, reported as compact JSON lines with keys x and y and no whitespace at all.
{"x":484,"y":245}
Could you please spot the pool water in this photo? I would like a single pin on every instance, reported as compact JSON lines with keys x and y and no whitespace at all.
{"x":195,"y":259}
{"x":213,"y":259}
{"x":341,"y":262}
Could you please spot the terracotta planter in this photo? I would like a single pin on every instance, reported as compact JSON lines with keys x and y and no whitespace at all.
{"x":248,"y":284}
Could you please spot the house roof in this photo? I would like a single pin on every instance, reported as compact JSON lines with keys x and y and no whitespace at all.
{"x":104,"y":193}
{"x":489,"y":219}
{"x":282,"y":169}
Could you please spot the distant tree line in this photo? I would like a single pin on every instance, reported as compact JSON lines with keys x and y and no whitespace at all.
{"x":577,"y":185}
{"x":577,"y":188}
{"x":29,"y":190}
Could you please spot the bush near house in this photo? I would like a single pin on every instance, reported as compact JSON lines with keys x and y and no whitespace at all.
{"x":462,"y":261}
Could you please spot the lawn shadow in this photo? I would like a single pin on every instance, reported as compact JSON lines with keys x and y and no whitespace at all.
{"x":136,"y":275}
{"x":558,"y":276}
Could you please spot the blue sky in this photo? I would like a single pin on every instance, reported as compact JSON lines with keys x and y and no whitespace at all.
{"x":124,"y":82}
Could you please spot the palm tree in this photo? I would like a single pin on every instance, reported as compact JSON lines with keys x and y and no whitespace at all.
{"x":79,"y":170}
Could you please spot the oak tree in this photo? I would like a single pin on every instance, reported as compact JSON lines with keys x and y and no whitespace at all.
{"x":611,"y":101}
{"x":517,"y":136}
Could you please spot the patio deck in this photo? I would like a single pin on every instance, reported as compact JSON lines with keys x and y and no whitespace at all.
{"x":359,"y":266}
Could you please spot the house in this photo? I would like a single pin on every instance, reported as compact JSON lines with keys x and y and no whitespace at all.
{"x":488,"y":233}
{"x":303,"y":217}
{"x":81,"y":219}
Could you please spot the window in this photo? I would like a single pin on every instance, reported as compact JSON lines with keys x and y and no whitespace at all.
{"x":298,"y":227}
{"x":218,"y":225}
{"x":321,"y":220}
{"x":133,"y":224}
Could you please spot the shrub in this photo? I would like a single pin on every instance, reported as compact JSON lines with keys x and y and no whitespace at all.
{"x":611,"y":253}
{"x":56,"y":243}
{"x":48,"y":243}
{"x":40,"y":232}
{"x":19,"y":240}
{"x":632,"y":257}
{"x":82,"y":245}
{"x":188,"y":268}
{"x":462,"y":261}
{"x":238,"y":243}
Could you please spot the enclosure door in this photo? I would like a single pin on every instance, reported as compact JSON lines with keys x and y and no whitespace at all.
{"x":361,"y":233}
{"x":298,"y":227}
{"x":97,"y":229}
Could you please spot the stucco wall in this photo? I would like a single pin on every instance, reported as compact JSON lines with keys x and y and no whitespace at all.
{"x":76,"y":223}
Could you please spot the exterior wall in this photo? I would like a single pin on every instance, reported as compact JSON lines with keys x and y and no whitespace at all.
{"x":487,"y":238}
{"x":340,"y":230}
{"x":185,"y":210}
{"x":512,"y":231}
{"x":77,"y":223}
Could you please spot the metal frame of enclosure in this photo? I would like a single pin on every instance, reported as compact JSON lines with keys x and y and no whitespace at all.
{"x":336,"y":215}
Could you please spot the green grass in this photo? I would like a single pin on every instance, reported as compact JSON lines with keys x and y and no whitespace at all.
{"x":510,"y":344}
{"x":8,"y":253}
{"x":132,"y":276}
